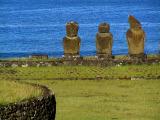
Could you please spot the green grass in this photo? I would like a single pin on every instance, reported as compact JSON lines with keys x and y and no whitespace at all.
{"x":103,"y":99}
{"x":82,"y":72}
{"x":106,"y":99}
{"x":12,"y":91}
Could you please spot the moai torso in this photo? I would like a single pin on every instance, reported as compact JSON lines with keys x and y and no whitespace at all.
{"x":71,"y":42}
{"x":71,"y":45}
{"x":135,"y":37}
{"x":104,"y":41}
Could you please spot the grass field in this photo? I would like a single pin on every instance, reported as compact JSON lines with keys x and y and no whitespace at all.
{"x":100,"y":98}
{"x":106,"y":99}
{"x":81,"y":72}
{"x":12,"y":91}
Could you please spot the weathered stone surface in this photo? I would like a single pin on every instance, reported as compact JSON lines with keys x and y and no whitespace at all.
{"x":104,"y":40}
{"x":71,"y":42}
{"x":41,"y":108}
{"x":72,"y":29}
{"x":135,"y":38}
{"x":104,"y":28}
{"x":71,"y":45}
{"x":39,"y":56}
{"x":80,"y":61}
{"x":27,"y":63}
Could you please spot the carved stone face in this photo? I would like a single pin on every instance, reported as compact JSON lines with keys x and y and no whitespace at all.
{"x":104,"y":28}
{"x":72,"y":29}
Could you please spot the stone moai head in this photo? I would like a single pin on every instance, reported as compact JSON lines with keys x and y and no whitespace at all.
{"x":134,"y":23}
{"x":104,"y":41}
{"x":104,"y":28}
{"x":72,"y":29}
{"x":135,"y":37}
{"x":71,"y":42}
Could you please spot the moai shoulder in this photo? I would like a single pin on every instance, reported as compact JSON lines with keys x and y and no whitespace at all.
{"x":104,"y":40}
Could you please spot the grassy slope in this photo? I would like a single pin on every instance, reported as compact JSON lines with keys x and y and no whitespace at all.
{"x":98,"y":99}
{"x":106,"y":100}
{"x":11,"y":91}
{"x":81,"y":72}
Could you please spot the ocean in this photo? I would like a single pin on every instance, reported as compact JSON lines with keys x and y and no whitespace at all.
{"x":38,"y":26}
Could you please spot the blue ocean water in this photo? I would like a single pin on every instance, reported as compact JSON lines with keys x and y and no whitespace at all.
{"x":38,"y":26}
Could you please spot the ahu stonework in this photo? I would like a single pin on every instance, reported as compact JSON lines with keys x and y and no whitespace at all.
{"x":104,"y":40}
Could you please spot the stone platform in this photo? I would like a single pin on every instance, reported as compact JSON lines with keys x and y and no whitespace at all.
{"x":88,"y":61}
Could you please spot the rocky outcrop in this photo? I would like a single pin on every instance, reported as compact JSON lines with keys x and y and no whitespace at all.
{"x":104,"y":40}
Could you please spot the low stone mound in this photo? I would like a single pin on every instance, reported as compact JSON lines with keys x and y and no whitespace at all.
{"x":38,"y":108}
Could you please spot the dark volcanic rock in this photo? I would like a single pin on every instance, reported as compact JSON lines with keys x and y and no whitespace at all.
{"x":41,"y":108}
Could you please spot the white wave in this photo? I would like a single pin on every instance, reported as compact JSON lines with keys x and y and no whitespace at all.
{"x":24,"y":26}
{"x":56,"y":9}
{"x":79,"y":8}
{"x":145,"y":24}
{"x":149,"y":24}
{"x":32,"y":10}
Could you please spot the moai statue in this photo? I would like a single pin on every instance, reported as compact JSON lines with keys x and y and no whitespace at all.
{"x":71,"y":42}
{"x":136,"y":39}
{"x":104,"y":40}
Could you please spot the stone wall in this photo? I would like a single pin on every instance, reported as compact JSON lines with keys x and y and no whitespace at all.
{"x":28,"y":63}
{"x":94,"y":61}
{"x":41,"y":108}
